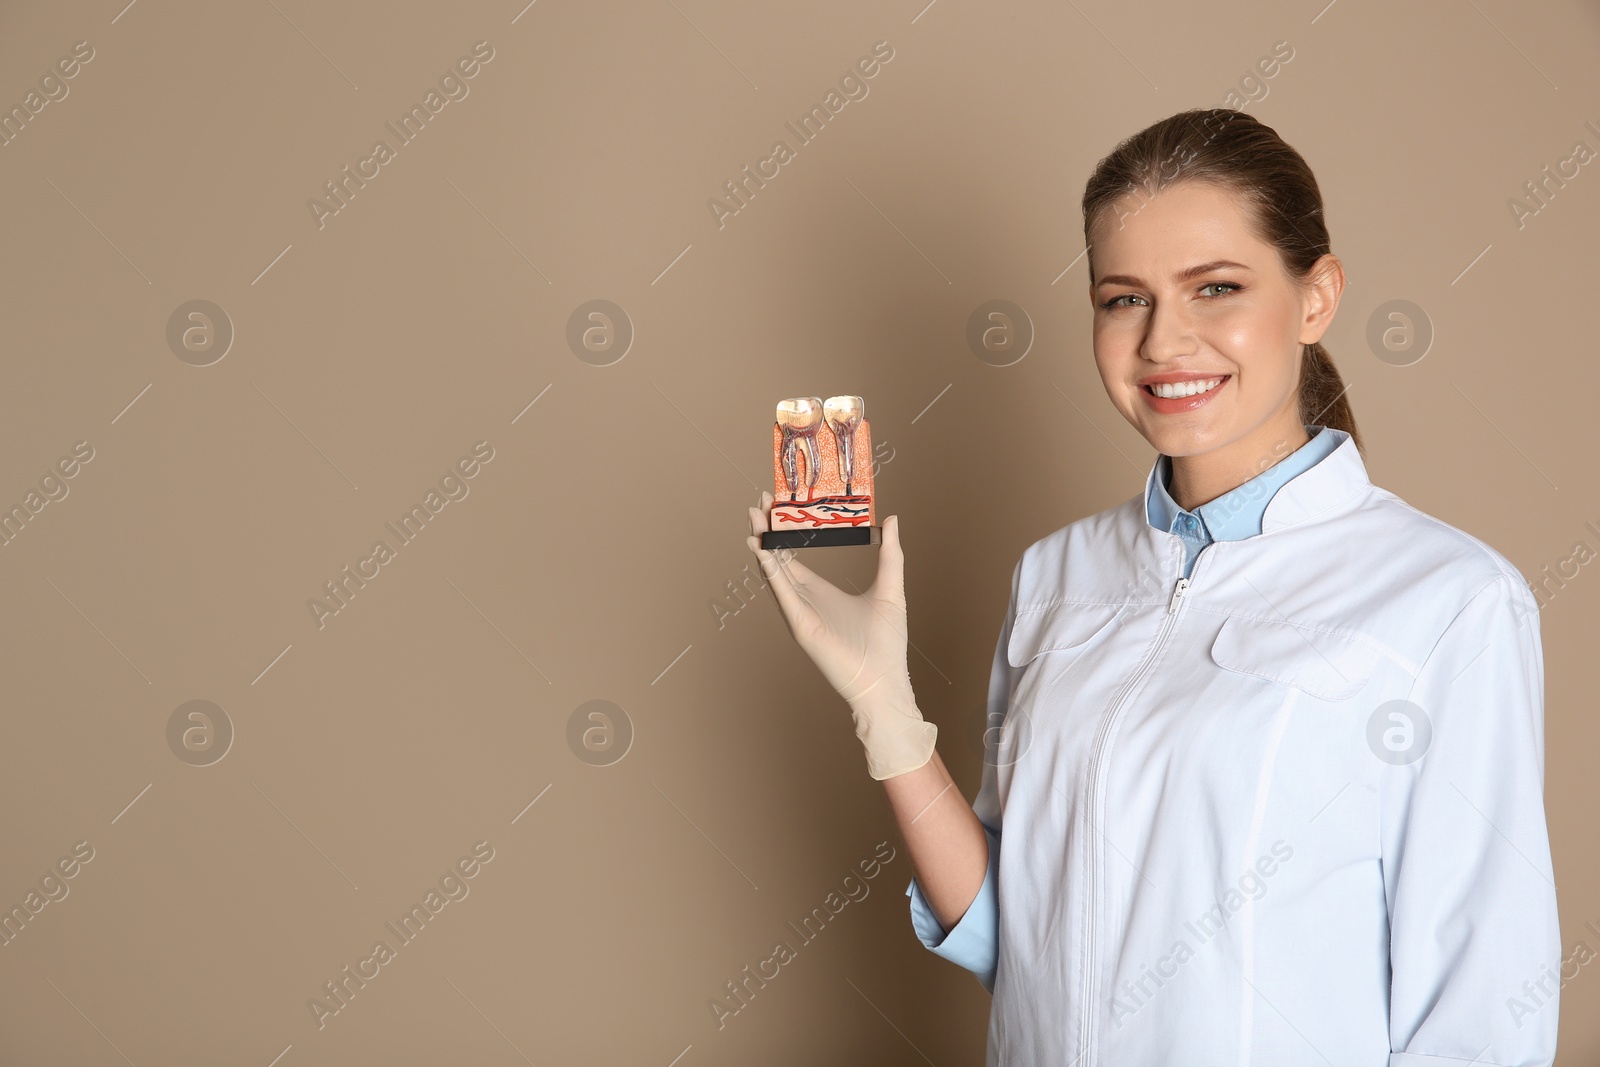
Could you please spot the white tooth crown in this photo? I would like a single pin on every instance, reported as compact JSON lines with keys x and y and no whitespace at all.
{"x":1173,"y":390}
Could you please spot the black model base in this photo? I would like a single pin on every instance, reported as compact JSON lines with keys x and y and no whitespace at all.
{"x":822,"y":538}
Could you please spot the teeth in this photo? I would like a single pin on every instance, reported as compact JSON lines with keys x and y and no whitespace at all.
{"x":798,"y":419}
{"x":1173,"y":390}
{"x":801,"y":413}
{"x":844,"y":415}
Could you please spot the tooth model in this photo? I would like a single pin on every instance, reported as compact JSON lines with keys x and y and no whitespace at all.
{"x":798,"y":420}
{"x":843,"y":414}
{"x":830,"y":502}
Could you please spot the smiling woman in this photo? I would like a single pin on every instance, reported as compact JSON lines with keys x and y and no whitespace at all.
{"x":1261,"y":646}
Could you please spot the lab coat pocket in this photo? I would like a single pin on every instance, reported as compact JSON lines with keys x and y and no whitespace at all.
{"x":1324,"y":663}
{"x":1061,"y":626}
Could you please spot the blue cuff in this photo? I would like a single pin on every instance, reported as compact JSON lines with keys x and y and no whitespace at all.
{"x":974,"y":941}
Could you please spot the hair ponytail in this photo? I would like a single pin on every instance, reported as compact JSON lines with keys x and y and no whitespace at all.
{"x":1237,"y":151}
{"x":1322,"y":393}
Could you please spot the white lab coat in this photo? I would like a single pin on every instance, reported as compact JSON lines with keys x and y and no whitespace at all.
{"x":1222,"y":843}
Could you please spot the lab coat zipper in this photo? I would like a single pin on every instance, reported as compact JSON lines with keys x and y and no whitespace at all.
{"x":1086,"y":1015}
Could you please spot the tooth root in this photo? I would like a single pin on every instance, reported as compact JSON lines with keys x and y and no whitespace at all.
{"x":845,"y":441}
{"x":791,"y":476}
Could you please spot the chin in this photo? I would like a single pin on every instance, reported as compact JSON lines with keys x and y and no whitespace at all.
{"x":1167,"y":437}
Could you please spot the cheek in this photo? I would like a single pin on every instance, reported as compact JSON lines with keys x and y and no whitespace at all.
{"x":1114,"y":355}
{"x":1243,"y":323}
{"x":1116,"y":344}
{"x":1256,"y":339}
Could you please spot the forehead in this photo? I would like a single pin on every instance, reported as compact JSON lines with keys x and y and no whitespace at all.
{"x":1184,"y":224}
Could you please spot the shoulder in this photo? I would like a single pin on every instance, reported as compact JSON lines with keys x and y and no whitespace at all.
{"x":1432,"y":549}
{"x":1389,"y":571}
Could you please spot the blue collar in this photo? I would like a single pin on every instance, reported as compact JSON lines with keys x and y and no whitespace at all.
{"x":1237,"y":513}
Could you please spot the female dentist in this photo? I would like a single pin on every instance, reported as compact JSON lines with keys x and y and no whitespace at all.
{"x":1265,"y":744}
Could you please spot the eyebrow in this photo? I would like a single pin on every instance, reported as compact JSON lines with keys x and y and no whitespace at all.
{"x":1182,"y":276}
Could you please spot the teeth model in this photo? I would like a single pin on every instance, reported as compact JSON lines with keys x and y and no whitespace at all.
{"x":1173,"y":390}
{"x":844,"y":415}
{"x":798,"y":419}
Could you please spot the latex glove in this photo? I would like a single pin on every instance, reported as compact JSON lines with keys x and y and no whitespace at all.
{"x":858,"y":642}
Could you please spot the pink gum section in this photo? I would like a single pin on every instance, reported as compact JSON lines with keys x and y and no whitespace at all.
{"x":830,"y":479}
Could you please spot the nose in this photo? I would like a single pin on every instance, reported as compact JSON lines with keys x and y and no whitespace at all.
{"x":1168,"y":333}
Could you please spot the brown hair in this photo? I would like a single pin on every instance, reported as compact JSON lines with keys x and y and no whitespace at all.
{"x":1234,"y":150}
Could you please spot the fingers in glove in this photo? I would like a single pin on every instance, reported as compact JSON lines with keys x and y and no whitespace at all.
{"x":780,"y":579}
{"x":890,"y":582}
{"x":782,"y":574}
{"x":798,"y":574}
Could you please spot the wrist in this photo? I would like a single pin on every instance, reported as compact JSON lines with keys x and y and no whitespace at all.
{"x":890,"y":690}
{"x":897,"y":746}
{"x":891,"y":729}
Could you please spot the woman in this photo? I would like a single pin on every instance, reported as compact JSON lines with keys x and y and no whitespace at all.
{"x":1266,"y":742}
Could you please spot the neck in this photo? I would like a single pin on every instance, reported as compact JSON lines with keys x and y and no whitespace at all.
{"x":1200,"y":479}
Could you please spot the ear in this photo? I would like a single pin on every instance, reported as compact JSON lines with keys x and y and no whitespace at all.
{"x":1321,"y":298}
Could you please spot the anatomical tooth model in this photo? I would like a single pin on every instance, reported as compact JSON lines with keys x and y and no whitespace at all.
{"x":830,"y":502}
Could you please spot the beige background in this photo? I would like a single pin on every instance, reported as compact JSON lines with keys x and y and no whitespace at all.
{"x":373,"y":352}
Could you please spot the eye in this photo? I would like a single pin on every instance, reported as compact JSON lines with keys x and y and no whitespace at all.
{"x":1114,"y":301}
{"x":1230,"y":286}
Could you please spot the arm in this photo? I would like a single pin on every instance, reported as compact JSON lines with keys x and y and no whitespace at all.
{"x":1474,"y":945}
{"x":954,"y":894}
{"x":948,"y":846}
{"x":859,"y":644}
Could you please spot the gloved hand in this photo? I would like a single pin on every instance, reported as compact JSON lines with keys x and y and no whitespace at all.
{"x":858,"y":642}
